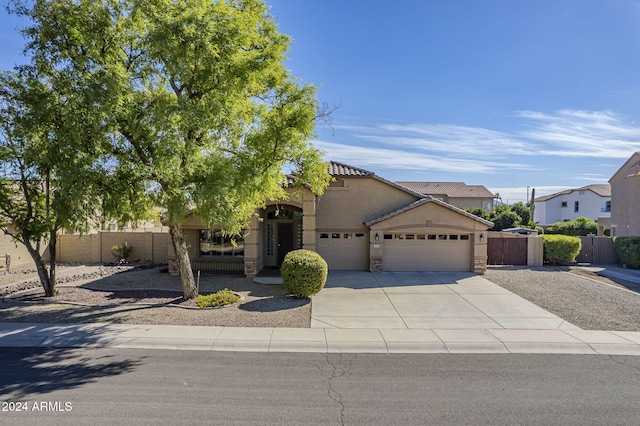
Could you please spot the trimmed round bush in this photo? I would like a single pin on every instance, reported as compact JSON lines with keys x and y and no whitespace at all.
{"x":560,"y":249}
{"x":304,"y":273}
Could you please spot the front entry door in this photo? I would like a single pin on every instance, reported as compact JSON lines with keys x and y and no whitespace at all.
{"x":285,"y":240}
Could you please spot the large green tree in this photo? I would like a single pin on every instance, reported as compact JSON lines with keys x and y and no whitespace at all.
{"x":48,"y":179}
{"x":203,"y":116}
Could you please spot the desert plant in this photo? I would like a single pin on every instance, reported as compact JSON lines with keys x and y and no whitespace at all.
{"x":628,"y":251}
{"x":304,"y":273}
{"x":560,"y":249}
{"x":122,"y":252}
{"x":220,"y":298}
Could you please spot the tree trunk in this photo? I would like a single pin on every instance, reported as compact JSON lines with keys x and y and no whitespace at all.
{"x":53,"y":243}
{"x":189,"y":289}
{"x":46,"y":280}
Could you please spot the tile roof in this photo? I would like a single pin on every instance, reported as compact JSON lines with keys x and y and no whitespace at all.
{"x":340,"y":169}
{"x":603,"y":190}
{"x":450,"y":189}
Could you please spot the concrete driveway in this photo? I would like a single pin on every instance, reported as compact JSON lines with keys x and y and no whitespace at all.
{"x":424,"y":300}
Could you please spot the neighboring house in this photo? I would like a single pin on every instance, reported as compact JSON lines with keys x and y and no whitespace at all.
{"x":362,"y":222}
{"x":457,"y":194}
{"x":591,"y":201}
{"x":625,"y":199}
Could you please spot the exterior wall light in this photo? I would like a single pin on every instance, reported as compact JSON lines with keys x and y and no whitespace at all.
{"x":481,"y":237}
{"x":377,"y":237}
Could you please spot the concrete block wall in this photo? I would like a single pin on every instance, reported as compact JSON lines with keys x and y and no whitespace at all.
{"x":96,"y":248}
{"x":20,"y":257}
{"x":79,"y":248}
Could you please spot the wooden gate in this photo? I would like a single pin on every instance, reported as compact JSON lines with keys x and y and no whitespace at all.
{"x":507,"y":250}
{"x":597,"y":250}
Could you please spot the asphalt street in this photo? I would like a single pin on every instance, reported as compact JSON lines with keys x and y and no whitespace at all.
{"x":120,"y":386}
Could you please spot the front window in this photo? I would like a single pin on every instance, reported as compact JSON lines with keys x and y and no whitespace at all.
{"x":284,"y":214}
{"x":214,"y":243}
{"x":576,"y":206}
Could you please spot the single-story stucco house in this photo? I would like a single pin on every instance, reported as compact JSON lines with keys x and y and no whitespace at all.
{"x":361,"y":222}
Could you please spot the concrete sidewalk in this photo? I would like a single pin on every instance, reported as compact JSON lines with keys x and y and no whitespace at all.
{"x":318,"y":340}
{"x":361,"y":312}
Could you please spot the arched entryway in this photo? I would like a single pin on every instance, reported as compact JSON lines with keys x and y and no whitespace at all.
{"x":282,"y":233}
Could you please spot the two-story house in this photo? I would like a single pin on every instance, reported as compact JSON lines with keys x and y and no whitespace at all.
{"x":625,"y":196}
{"x":591,"y":201}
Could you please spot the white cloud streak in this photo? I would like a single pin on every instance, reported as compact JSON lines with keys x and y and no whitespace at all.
{"x":409,"y":160}
{"x":571,"y":133}
{"x":452,"y":148}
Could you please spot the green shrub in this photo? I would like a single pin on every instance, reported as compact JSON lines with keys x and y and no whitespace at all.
{"x":304,"y":273}
{"x":628,"y":251}
{"x":561,"y":248}
{"x":122,"y":252}
{"x":220,"y":298}
{"x":580,"y":226}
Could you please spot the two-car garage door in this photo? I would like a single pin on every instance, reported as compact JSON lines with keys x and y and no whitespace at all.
{"x":427,"y":252}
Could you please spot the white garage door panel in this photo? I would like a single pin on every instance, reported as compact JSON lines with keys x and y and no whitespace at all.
{"x":344,"y":253}
{"x":427,"y":255}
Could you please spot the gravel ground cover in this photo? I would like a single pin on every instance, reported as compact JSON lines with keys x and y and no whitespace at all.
{"x":133,"y":295}
{"x":585,"y":299}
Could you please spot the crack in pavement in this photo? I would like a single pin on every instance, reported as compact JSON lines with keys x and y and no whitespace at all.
{"x":339,"y":368}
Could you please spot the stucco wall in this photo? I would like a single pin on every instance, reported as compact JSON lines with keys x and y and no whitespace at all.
{"x":430,"y":217}
{"x":433,"y":218}
{"x":361,"y":200}
{"x":472,"y":203}
{"x":625,"y":205}
{"x":20,"y":257}
{"x":96,"y":248}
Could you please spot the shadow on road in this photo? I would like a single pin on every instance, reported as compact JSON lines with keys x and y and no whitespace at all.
{"x":38,"y":371}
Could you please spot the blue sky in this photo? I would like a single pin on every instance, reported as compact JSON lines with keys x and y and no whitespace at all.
{"x":507,"y":94}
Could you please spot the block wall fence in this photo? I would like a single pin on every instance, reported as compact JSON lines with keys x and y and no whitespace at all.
{"x":96,"y":248}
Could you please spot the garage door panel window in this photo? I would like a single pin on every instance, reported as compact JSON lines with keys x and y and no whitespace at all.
{"x":423,"y":237}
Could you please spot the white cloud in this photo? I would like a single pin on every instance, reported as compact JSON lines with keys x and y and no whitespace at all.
{"x":408,"y":160}
{"x":565,"y":133}
{"x":574,"y":133}
{"x":457,"y":141}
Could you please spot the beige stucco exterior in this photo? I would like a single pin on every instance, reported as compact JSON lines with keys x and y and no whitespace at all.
{"x":360,"y":200}
{"x":346,"y":225}
{"x":438,"y":219}
{"x":625,"y":199}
